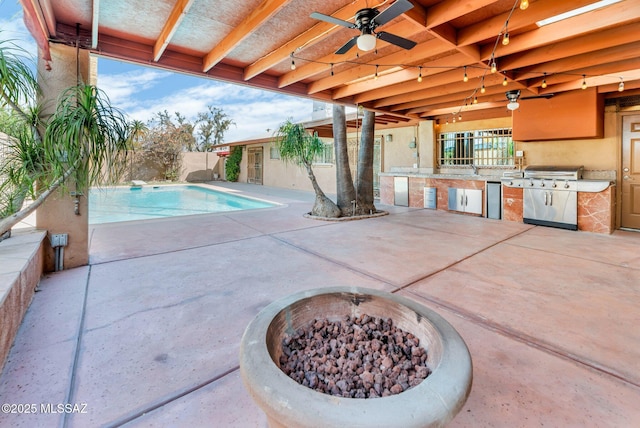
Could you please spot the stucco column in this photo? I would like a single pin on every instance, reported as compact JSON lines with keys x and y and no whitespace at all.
{"x":58,"y":214}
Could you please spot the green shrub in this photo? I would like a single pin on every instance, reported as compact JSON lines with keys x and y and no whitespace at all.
{"x":232,"y":166}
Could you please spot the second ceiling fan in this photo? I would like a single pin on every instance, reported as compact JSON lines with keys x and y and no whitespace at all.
{"x":367,"y":21}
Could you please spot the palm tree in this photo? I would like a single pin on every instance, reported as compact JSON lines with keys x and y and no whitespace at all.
{"x":364,"y":180}
{"x":298,"y":146}
{"x":346,"y":192}
{"x":84,"y":139}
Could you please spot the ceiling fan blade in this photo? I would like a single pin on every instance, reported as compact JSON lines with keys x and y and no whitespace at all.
{"x":345,"y":48}
{"x":393,"y":11}
{"x":332,"y":20}
{"x":396,"y":40}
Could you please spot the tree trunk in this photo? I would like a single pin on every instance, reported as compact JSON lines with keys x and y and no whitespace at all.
{"x":323,"y":206}
{"x":344,"y":180}
{"x":8,"y":222}
{"x":364,"y":180}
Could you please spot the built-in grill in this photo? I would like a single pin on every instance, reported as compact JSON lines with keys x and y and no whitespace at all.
{"x":551,"y":195}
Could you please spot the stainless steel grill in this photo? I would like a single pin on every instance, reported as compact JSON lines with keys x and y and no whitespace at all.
{"x":551,"y":195}
{"x":547,"y":172}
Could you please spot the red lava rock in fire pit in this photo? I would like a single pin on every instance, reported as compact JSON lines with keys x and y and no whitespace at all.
{"x":357,"y":357}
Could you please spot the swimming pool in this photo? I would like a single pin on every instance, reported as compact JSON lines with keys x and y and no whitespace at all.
{"x":116,"y":204}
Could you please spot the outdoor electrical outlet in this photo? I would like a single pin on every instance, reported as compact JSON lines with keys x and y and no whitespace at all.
{"x":519,"y":153}
{"x":59,"y":240}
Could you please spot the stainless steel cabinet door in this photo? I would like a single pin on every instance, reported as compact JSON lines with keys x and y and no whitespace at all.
{"x":473,"y":201}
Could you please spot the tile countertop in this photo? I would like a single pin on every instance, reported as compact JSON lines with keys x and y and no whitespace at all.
{"x":594,"y":181}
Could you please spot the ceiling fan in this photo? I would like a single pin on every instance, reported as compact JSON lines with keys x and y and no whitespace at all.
{"x":513,"y":96}
{"x":367,"y":20}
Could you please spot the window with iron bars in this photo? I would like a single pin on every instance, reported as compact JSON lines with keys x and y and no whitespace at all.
{"x":484,"y":147}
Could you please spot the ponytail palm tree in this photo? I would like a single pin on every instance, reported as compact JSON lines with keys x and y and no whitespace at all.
{"x":298,"y":146}
{"x":83,"y":142}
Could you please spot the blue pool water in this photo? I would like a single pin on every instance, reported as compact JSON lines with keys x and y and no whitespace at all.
{"x":125,"y":204}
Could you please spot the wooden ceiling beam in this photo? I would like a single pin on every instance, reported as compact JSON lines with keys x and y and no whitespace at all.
{"x":446,"y":11}
{"x":580,"y":63}
{"x":322,"y":64}
{"x":257,"y":17}
{"x":446,"y":110}
{"x":617,"y":69}
{"x":417,"y":14}
{"x":489,"y":112}
{"x":407,"y":91}
{"x":179,"y":11}
{"x":615,"y":15}
{"x":315,"y":34}
{"x":576,"y":46}
{"x":433,"y":102}
{"x":429,"y":69}
{"x":405,"y":57}
{"x":490,"y":28}
{"x":488,"y":101}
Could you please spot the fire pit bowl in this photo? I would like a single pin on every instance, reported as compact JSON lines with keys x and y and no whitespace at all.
{"x":432,"y":403}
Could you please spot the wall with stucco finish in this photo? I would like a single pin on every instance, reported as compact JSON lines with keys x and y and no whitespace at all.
{"x":57,"y":214}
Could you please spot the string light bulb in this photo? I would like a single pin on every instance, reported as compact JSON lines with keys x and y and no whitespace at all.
{"x":494,"y":67}
{"x":419,"y":74}
{"x":524,"y":4}
{"x":375,"y":77}
{"x":505,"y":82}
{"x":621,"y":85}
{"x":483,"y":89}
{"x":544,"y":81}
{"x":584,"y":81}
{"x":465,"y":78}
{"x":475,"y":100}
{"x":293,"y":63}
{"x":505,"y":39}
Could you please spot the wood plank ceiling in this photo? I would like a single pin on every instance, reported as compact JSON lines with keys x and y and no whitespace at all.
{"x":254,"y":42}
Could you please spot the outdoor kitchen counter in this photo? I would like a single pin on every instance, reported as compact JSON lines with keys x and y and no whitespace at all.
{"x":596,"y":203}
{"x":467,"y":175}
{"x":596,"y":197}
{"x":415,"y":182}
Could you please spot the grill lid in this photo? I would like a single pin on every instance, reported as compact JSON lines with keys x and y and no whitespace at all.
{"x":554,"y":171}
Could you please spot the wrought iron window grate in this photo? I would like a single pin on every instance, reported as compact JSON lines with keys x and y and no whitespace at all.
{"x":485,"y":148}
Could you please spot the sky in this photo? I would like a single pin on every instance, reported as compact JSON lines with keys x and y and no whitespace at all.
{"x":141,"y":92}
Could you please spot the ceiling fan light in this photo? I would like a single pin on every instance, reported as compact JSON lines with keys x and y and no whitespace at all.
{"x":367,"y":42}
{"x":513,"y":105}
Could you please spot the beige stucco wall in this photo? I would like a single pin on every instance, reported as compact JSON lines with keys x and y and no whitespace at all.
{"x":277,"y":173}
{"x":57,"y":214}
{"x":199,"y":166}
{"x":397,"y":153}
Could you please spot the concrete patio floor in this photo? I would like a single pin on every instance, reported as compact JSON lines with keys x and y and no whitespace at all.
{"x":148,"y":333}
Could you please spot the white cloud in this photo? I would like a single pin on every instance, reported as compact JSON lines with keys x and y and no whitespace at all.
{"x":142,"y":94}
{"x":122,"y":88}
{"x":12,"y":28}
